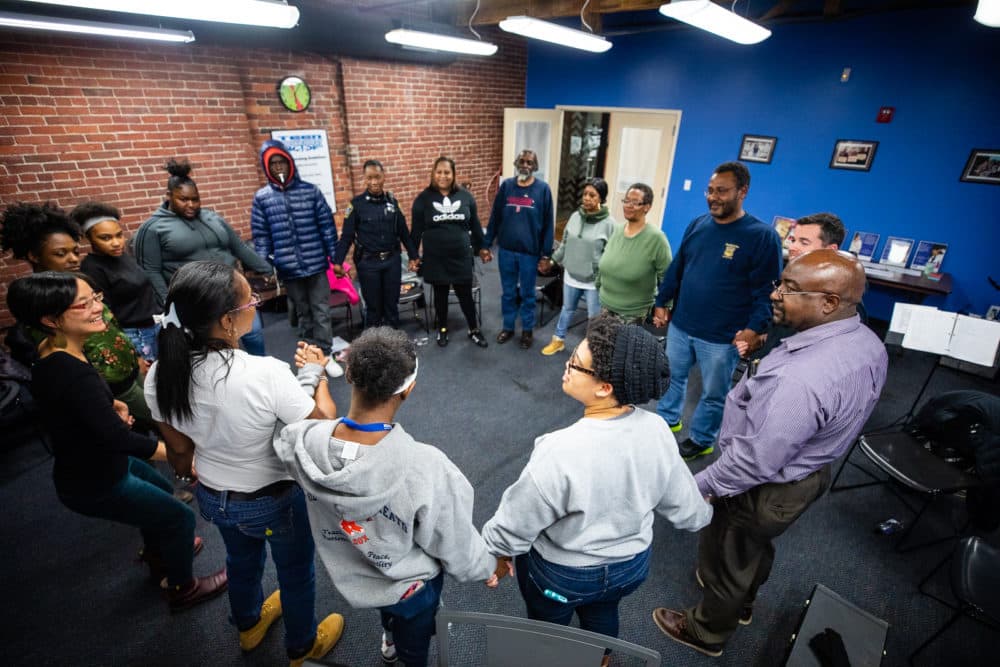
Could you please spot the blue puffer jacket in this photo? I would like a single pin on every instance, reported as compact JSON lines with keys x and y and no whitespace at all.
{"x":292,"y":224}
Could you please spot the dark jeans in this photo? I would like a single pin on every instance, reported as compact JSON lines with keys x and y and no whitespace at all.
{"x":144,"y":498}
{"x":380,"y":280}
{"x":411,"y":622}
{"x":735,"y":552}
{"x":592,"y":592}
{"x":464,"y":293}
{"x":248,"y":527}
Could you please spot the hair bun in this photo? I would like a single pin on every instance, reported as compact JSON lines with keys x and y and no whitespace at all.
{"x":181,"y":169}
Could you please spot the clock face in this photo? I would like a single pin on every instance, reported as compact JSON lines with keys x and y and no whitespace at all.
{"x":294,"y":93}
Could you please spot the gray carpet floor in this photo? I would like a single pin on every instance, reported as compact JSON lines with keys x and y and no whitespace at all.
{"x":75,"y":597}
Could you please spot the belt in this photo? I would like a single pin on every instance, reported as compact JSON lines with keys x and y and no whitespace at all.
{"x":382,"y":255}
{"x":275,"y":490}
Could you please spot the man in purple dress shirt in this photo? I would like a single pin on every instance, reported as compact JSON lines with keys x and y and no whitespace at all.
{"x":781,"y":430}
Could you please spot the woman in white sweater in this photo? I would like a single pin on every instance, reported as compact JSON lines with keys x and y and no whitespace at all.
{"x":579,"y":520}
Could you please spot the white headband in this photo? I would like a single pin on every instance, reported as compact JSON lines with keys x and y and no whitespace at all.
{"x":409,"y":378}
{"x":96,"y":220}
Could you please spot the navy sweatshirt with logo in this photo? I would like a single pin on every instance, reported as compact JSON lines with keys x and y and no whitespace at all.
{"x":720,"y":278}
{"x":522,"y":219}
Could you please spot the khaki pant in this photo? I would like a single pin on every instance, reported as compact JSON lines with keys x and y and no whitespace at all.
{"x":735,"y":552}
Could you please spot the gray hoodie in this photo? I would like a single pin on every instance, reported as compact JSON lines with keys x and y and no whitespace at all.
{"x":384,"y":516}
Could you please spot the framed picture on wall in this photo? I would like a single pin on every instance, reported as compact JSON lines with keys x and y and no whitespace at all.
{"x":983,"y":166}
{"x":896,"y":251}
{"x":863,"y":245}
{"x":853,"y":154}
{"x":757,"y":148}
{"x":783,"y":225}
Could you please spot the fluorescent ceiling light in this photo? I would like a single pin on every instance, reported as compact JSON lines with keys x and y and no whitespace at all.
{"x":94,"y":28}
{"x":709,"y":16}
{"x":557,"y":34}
{"x":264,"y":13}
{"x":988,"y":13}
{"x":431,"y":41}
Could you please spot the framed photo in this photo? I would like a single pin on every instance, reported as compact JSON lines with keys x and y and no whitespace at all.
{"x":853,"y":154}
{"x":863,"y":245}
{"x":783,"y":225}
{"x":928,"y":256}
{"x":983,"y":166}
{"x":757,"y":148}
{"x":896,"y":251}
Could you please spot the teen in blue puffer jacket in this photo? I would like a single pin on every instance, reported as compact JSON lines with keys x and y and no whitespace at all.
{"x":293,"y":228}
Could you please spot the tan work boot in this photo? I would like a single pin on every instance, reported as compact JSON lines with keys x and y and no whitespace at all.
{"x":556,"y":345}
{"x":270,"y":611}
{"x":327,"y":633}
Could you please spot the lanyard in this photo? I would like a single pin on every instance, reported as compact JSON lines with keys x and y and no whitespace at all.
{"x":368,"y":428}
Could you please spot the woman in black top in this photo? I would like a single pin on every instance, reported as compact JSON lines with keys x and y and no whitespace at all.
{"x":127,"y":289}
{"x":98,"y":469}
{"x":446,"y":220}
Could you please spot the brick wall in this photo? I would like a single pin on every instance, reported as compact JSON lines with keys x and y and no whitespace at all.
{"x":87,"y":119}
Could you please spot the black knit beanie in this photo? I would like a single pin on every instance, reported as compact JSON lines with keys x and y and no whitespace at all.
{"x":639,"y":368}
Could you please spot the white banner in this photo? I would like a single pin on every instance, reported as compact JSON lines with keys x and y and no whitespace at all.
{"x":312,"y":158}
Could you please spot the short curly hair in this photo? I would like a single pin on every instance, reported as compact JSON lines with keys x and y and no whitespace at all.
{"x":25,"y":227}
{"x":602,"y":332}
{"x":377,"y":363}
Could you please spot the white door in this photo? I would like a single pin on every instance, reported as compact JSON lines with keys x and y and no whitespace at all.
{"x":640,"y":150}
{"x":539,"y":130}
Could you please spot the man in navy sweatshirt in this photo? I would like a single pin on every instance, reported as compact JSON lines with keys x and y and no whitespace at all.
{"x":522,"y":223}
{"x":720,"y":281}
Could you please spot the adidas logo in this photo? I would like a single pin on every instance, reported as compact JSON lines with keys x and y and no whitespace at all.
{"x":447,"y":210}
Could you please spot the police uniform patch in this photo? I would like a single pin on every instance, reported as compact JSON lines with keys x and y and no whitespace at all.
{"x":350,"y":209}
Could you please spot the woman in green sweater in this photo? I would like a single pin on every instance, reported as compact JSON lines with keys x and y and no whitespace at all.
{"x":634,"y":261}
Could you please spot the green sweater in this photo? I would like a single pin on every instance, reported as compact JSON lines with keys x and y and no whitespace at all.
{"x":631,"y":269}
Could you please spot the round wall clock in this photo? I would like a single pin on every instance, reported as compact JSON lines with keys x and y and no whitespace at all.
{"x":294,"y":93}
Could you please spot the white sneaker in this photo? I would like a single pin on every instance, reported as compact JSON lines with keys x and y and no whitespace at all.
{"x":333,"y":369}
{"x":388,"y":648}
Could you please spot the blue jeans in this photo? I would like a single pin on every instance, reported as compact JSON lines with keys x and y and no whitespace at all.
{"x":247,"y":527}
{"x":253,"y":342}
{"x":593,"y":592}
{"x":144,"y":341}
{"x":571,"y":297}
{"x":716,"y":361}
{"x":411,"y":622}
{"x":517,"y":279}
{"x":144,"y":498}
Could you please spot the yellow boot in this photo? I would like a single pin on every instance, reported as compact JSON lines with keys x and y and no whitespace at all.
{"x":270,"y":611}
{"x":327,"y":633}
{"x":556,"y":345}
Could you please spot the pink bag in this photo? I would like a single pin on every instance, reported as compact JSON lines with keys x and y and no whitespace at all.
{"x":344,"y":284}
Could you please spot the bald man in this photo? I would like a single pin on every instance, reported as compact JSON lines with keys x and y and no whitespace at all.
{"x":781,"y":430}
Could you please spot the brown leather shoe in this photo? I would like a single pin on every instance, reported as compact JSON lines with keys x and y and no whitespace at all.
{"x":157,"y":568}
{"x":504,"y":336}
{"x":526,"y":340}
{"x":199,"y":590}
{"x":674,"y":625}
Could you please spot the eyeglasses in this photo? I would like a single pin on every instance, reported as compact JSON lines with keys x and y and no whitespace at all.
{"x":87,"y":303}
{"x":254,"y":301}
{"x":633,"y":203}
{"x":709,"y":191}
{"x":782,"y":292}
{"x":580,"y":369}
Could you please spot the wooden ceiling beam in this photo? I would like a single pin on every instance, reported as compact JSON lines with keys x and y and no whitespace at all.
{"x":493,"y":11}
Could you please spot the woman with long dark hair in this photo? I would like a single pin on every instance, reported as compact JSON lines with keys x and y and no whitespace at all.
{"x":218,"y":407}
{"x":98,"y":470}
{"x":445,"y":218}
{"x":181,"y":231}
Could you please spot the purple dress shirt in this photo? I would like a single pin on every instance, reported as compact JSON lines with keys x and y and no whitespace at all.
{"x":804,"y":407}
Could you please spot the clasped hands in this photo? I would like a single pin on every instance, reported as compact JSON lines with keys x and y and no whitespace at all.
{"x":309,"y":354}
{"x":504,"y":568}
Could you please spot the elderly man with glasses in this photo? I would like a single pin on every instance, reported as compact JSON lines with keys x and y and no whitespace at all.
{"x":781,"y":431}
{"x":719,"y":282}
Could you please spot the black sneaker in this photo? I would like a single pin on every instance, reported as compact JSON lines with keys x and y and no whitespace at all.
{"x":442,"y":337}
{"x":478,"y":338}
{"x":690,"y":450}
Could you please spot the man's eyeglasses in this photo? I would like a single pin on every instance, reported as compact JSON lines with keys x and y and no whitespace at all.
{"x":709,"y":191}
{"x":780,"y":290}
{"x":254,"y":301}
{"x":87,"y":303}
{"x":633,"y":203}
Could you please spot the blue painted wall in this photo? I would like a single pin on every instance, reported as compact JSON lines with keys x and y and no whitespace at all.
{"x":938,"y":68}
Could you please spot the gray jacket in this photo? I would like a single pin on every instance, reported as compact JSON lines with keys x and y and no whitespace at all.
{"x":582,"y":246}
